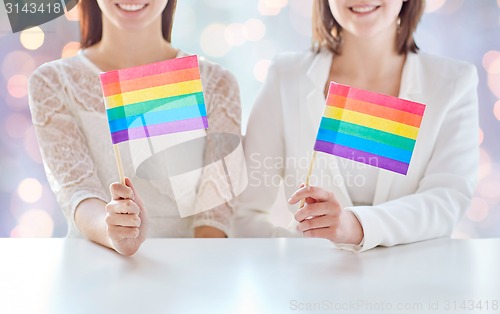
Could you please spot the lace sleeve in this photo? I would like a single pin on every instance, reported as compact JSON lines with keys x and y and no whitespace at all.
{"x":69,"y":167}
{"x":222,"y":96}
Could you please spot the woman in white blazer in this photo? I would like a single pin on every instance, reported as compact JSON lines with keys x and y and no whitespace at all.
{"x":356,"y":206}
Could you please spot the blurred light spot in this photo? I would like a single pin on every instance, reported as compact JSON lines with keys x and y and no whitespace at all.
{"x":481,"y":136}
{"x":276,"y":3}
{"x":433,"y":5}
{"x":494,"y":84}
{"x":270,"y":7}
{"x":32,"y":38}
{"x":34,"y":223}
{"x":479,"y":210}
{"x":215,"y":4}
{"x":484,"y":163}
{"x":235,"y":34}
{"x":30,"y":190}
{"x":31,"y":145}
{"x":491,"y":62}
{"x":16,"y":125}
{"x":17,"y":86}
{"x":213,"y":41}
{"x":70,"y":49}
{"x":18,"y":62}
{"x":496,"y":110}
{"x":260,"y":69}
{"x":74,"y":14}
{"x":255,"y":29}
{"x":490,"y":189}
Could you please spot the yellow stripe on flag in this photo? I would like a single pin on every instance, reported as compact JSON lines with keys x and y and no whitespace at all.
{"x":371,"y":122}
{"x":159,"y":92}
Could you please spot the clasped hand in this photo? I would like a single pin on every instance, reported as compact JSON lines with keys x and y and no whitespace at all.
{"x":126,"y":218}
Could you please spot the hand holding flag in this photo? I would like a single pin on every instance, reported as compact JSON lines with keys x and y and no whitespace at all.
{"x":126,"y":218}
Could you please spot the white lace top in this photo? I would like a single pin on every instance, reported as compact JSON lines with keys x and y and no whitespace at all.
{"x":69,"y":116}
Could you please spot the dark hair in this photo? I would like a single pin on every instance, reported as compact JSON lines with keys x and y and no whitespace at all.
{"x":91,"y":22}
{"x":327,"y":31}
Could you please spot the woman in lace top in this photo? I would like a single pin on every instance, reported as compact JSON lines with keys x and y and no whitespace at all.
{"x":71,"y":125}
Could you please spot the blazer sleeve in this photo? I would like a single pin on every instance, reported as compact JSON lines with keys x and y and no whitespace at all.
{"x":263,"y":144}
{"x":445,"y":191}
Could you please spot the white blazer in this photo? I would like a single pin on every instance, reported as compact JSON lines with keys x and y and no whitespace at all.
{"x":426,"y":203}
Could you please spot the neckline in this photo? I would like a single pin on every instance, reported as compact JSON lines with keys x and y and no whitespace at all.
{"x":403,"y":88}
{"x":98,"y":70}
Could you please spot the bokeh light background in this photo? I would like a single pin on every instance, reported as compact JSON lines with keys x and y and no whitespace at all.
{"x":243,"y":36}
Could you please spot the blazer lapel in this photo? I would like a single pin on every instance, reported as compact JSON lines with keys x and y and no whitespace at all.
{"x":410,"y":89}
{"x":316,"y":75}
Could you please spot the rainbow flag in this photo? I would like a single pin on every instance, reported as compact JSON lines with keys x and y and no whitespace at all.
{"x":371,"y":128}
{"x":154,"y":99}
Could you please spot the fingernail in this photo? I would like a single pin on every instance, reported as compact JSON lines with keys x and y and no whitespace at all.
{"x":290,"y":200}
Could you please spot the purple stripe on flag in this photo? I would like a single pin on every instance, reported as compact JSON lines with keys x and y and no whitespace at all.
{"x":361,"y":156}
{"x":160,"y":129}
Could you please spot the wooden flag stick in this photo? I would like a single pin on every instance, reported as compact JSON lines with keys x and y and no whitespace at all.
{"x":309,"y":172}
{"x":119,"y":164}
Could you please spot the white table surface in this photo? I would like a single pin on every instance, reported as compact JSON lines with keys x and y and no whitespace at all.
{"x":248,"y":276}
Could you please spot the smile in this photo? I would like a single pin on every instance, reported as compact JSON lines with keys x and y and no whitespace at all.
{"x":131,"y":7}
{"x":364,"y":9}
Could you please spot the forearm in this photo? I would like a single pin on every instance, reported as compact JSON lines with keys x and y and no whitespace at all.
{"x":90,"y":218}
{"x":208,"y":232}
{"x":214,"y":223}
